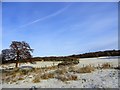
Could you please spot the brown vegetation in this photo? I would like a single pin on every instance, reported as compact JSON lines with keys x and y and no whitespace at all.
{"x":61,"y":71}
{"x":68,"y":63}
{"x":67,"y":77}
{"x":20,"y":78}
{"x":36,"y":79}
{"x":106,"y":66}
{"x":86,"y":69}
{"x":47,"y":75}
{"x":97,"y":54}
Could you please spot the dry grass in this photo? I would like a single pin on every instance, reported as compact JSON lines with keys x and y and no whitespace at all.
{"x":106,"y":66}
{"x":62,"y":74}
{"x":61,"y":71}
{"x":16,"y":73}
{"x":51,"y":67}
{"x":86,"y":69}
{"x":47,"y":75}
{"x":7,"y":79}
{"x":13,"y":81}
{"x":37,"y":70}
{"x":23,"y":72}
{"x":36,"y":79}
{"x":73,"y":69}
{"x":68,"y":77}
{"x":20,"y":78}
{"x":12,"y":78}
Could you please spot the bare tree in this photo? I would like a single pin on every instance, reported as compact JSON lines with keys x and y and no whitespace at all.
{"x":21,"y":50}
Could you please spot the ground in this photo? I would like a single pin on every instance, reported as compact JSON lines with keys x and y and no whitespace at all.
{"x":89,"y":73}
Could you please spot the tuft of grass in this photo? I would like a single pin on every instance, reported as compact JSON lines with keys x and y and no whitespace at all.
{"x":51,"y":67}
{"x":20,"y":78}
{"x":13,"y":81}
{"x":7,"y":79}
{"x":74,"y":77}
{"x":106,"y":66}
{"x":86,"y":69}
{"x":47,"y":75}
{"x":61,"y":71}
{"x":37,"y":70}
{"x":36,"y":79}
{"x":73,"y":69}
{"x":65,"y":78}
{"x":23,"y":72}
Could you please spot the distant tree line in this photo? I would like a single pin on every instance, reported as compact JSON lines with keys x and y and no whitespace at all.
{"x":98,"y":54}
{"x":75,"y":57}
{"x":53,"y":58}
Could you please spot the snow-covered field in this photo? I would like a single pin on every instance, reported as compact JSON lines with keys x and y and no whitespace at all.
{"x":100,"y":78}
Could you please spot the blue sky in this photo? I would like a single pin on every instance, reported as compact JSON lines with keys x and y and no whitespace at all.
{"x":57,"y":29}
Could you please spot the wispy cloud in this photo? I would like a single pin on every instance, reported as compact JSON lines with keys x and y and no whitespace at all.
{"x":46,"y":17}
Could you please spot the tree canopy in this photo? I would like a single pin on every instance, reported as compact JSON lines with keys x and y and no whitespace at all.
{"x":18,"y":50}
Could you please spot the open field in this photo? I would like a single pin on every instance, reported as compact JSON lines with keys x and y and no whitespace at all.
{"x":89,"y":73}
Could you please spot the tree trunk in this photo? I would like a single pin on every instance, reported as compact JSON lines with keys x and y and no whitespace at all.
{"x":17,"y":59}
{"x":16,"y":64}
